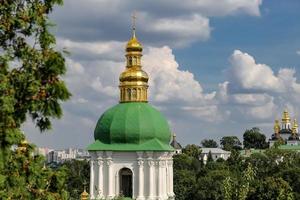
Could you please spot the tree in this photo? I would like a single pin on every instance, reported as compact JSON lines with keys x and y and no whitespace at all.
{"x":271,"y":188}
{"x":186,"y":167}
{"x":209,"y":186}
{"x":230,"y":142}
{"x":239,"y":188}
{"x":192,"y":150}
{"x":30,"y":85}
{"x":253,"y":138}
{"x":209,"y":157}
{"x":184,"y":184}
{"x":78,"y":173}
{"x":209,"y":143}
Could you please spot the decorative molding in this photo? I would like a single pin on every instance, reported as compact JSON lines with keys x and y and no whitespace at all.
{"x":151,"y":163}
{"x":140,"y":163}
{"x":100,"y":162}
{"x":109,"y":162}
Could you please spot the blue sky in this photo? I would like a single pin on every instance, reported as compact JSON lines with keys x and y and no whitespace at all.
{"x":216,"y":67}
{"x":272,"y":38}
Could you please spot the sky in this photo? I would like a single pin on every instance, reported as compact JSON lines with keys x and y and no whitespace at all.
{"x":216,"y":67}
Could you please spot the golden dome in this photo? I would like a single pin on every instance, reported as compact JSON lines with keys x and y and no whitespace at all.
{"x":295,"y":127}
{"x":84,"y":195}
{"x":276,"y":127}
{"x":286,"y":117}
{"x":133,"y":44}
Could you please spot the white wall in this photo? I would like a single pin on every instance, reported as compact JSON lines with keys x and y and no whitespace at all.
{"x":152,"y":174}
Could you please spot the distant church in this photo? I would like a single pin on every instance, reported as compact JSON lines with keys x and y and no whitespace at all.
{"x":131,"y":155}
{"x":287,"y":132}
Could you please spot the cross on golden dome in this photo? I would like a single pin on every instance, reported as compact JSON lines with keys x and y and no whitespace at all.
{"x":133,"y":22}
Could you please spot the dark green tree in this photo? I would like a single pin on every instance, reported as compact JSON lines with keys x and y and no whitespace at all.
{"x":192,"y":150}
{"x":30,"y":85}
{"x":209,"y":157}
{"x":253,"y":138}
{"x":230,"y":142}
{"x":209,"y":143}
{"x":184,"y":184}
{"x":78,"y":173}
{"x":209,"y":185}
{"x":186,"y":168}
{"x":271,"y":188}
{"x":292,"y":176}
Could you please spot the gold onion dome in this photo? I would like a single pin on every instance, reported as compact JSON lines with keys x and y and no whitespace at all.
{"x":295,"y":127}
{"x":276,"y":127}
{"x":133,"y":44}
{"x":84,"y":195}
{"x":286,"y":117}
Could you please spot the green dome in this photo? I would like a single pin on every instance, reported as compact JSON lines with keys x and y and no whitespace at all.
{"x":131,"y":127}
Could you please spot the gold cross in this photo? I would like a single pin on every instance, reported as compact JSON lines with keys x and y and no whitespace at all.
{"x":133,"y":19}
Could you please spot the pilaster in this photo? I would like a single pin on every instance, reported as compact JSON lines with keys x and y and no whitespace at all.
{"x":92,"y":178}
{"x":100,"y":176}
{"x":110,"y":179}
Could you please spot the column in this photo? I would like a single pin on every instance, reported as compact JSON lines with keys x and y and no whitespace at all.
{"x":151,"y":178}
{"x":160,"y":179}
{"x":100,"y":179}
{"x":92,"y":178}
{"x":170,"y":163}
{"x":141,"y":180}
{"x":164,"y":179}
{"x":110,"y":178}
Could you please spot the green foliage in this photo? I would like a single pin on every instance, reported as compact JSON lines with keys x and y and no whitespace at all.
{"x":25,"y":177}
{"x":209,"y":186}
{"x":271,"y":188}
{"x":253,"y":138}
{"x":78,"y":173}
{"x":30,"y":85}
{"x":192,"y":150}
{"x":238,"y":188}
{"x":230,"y":142}
{"x":270,"y":174}
{"x":209,"y":143}
{"x":184,"y":184}
{"x":209,"y":157}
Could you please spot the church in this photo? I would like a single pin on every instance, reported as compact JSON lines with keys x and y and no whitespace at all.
{"x":286,"y":132}
{"x":131,"y":155}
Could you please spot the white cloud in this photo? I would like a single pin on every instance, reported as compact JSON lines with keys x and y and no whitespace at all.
{"x":255,"y":91}
{"x":107,"y":90}
{"x":167,"y":82}
{"x":246,"y":74}
{"x":298,"y":52}
{"x":183,"y":30}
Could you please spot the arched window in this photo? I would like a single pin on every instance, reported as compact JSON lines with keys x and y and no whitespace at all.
{"x":125,"y":182}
